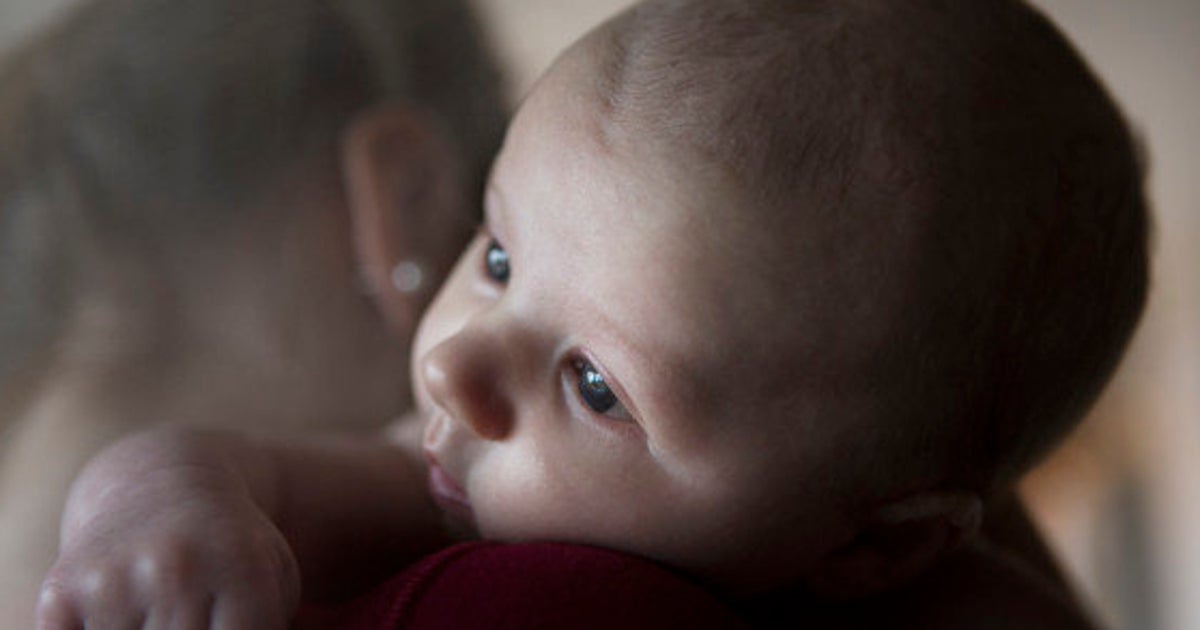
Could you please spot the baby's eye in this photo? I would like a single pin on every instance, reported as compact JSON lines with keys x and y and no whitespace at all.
{"x":595,"y":393}
{"x":495,"y":262}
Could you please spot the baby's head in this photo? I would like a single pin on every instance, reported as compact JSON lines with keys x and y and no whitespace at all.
{"x":188,"y":191}
{"x":778,"y":292}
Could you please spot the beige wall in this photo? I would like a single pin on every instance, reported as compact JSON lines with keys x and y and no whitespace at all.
{"x":1145,"y":439}
{"x":532,"y":32}
{"x":18,"y":16}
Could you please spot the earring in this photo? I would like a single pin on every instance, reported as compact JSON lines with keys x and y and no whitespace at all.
{"x":408,"y":277}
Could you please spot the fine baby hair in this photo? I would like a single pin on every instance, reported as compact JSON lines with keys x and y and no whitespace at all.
{"x":876,"y":258}
{"x":969,"y":167}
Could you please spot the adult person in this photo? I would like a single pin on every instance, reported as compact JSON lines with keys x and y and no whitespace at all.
{"x":586,"y":191}
{"x":183,"y":232}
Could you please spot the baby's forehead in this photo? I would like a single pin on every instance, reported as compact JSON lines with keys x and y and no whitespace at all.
{"x":756,"y":278}
{"x":757,"y":304}
{"x":847,"y":198}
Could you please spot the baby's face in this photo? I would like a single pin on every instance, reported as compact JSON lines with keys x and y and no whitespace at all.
{"x":605,"y":364}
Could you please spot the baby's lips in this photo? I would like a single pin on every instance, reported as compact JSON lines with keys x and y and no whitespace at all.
{"x":444,"y":486}
{"x":450,"y":498}
{"x":437,"y":431}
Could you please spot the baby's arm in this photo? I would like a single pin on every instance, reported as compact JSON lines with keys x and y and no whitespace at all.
{"x":191,"y":529}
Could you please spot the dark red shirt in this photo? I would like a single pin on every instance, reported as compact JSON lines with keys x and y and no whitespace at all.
{"x":537,"y":585}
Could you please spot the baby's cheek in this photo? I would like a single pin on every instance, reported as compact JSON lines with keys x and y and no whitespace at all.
{"x":534,"y":494}
{"x":514,"y":494}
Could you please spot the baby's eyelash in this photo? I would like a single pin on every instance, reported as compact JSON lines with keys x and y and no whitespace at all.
{"x":496,"y":262}
{"x":594,"y":391}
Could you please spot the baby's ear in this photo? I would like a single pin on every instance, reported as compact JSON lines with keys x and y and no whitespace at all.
{"x":902,"y":539}
{"x":401,"y":188}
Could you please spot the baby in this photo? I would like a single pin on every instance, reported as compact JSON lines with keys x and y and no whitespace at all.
{"x":775,"y":293}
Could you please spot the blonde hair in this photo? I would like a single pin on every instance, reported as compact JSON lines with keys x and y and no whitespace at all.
{"x":136,"y":126}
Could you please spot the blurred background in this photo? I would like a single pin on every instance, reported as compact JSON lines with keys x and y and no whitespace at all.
{"x":1121,"y":500}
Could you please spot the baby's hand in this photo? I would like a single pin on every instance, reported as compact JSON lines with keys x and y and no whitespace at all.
{"x":156,"y":535}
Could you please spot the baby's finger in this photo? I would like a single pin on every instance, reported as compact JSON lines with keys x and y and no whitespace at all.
{"x":257,"y":600}
{"x":168,"y":578}
{"x":56,"y":610}
{"x":247,"y":613}
{"x":97,"y":598}
{"x":262,"y":594}
{"x":192,"y":614}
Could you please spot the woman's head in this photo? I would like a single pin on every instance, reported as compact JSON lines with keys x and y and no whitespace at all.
{"x":177,"y":190}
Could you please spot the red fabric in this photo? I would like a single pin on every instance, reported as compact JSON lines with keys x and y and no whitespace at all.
{"x":542,"y":585}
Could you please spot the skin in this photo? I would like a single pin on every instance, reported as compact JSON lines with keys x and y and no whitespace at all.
{"x":691,"y":467}
{"x":623,"y":265}
{"x":126,"y":369}
{"x":616,"y":265}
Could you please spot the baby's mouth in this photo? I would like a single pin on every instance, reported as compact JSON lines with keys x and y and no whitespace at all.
{"x":445,"y":490}
{"x":449,"y":495}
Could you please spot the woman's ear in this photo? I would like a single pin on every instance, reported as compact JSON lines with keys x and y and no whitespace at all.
{"x":902,"y":539}
{"x":404,"y":197}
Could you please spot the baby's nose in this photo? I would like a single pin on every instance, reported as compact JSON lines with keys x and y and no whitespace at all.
{"x":465,"y":375}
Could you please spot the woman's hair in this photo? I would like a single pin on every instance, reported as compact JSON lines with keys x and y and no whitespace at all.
{"x":137,"y":129}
